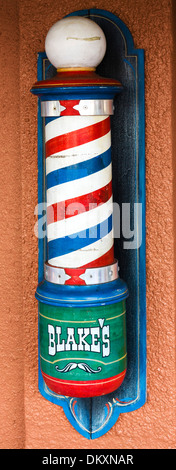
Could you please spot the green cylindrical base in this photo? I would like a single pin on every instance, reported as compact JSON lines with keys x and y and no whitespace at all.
{"x":83,"y":349}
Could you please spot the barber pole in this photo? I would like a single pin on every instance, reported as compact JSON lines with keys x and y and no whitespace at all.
{"x":82,"y":323}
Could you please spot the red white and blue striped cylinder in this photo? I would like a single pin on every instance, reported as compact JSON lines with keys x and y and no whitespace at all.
{"x":79,"y":191}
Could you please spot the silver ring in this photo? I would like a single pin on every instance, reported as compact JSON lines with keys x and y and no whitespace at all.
{"x":100,"y":275}
{"x":85,"y":108}
{"x":91,"y":276}
{"x":55,"y":275}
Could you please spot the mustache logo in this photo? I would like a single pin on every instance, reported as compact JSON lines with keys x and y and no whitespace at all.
{"x":80,"y":365}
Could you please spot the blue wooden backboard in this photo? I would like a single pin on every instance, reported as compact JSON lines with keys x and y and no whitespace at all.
{"x":93,"y":417}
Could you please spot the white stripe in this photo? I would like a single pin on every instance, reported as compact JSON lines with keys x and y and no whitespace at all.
{"x":79,"y":222}
{"x":78,"y":154}
{"x":85,"y":255}
{"x":76,"y":188}
{"x":67,"y":124}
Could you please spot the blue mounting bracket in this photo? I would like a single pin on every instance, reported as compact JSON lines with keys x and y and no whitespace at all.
{"x":93,"y":417}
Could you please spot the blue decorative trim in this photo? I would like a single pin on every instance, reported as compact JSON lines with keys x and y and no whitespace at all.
{"x":86,"y":296}
{"x":97,"y":92}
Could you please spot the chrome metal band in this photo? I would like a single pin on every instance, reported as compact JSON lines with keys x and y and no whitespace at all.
{"x":55,"y":275}
{"x":85,"y":108}
{"x":91,"y":276}
{"x":100,"y":275}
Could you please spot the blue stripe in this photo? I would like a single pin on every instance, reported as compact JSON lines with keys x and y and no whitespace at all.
{"x":80,"y":170}
{"x":51,"y":118}
{"x":68,"y":244}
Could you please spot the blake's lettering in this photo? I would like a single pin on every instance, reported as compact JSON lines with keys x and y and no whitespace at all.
{"x":94,"y":339}
{"x":60,"y":346}
{"x":52,"y":344}
{"x":106,"y":342}
{"x":71,"y":343}
{"x":83,"y":345}
{"x":95,"y":332}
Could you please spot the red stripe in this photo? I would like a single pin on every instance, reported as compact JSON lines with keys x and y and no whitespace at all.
{"x":75,"y":280}
{"x":78,"y":205}
{"x":82,"y":388}
{"x":105,"y":260}
{"x":78,"y":137}
{"x":75,"y":78}
{"x":68,"y":104}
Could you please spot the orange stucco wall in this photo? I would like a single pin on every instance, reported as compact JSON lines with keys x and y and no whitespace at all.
{"x":27,"y":419}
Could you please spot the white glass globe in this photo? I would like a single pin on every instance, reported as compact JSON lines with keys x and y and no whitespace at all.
{"x":75,"y":42}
